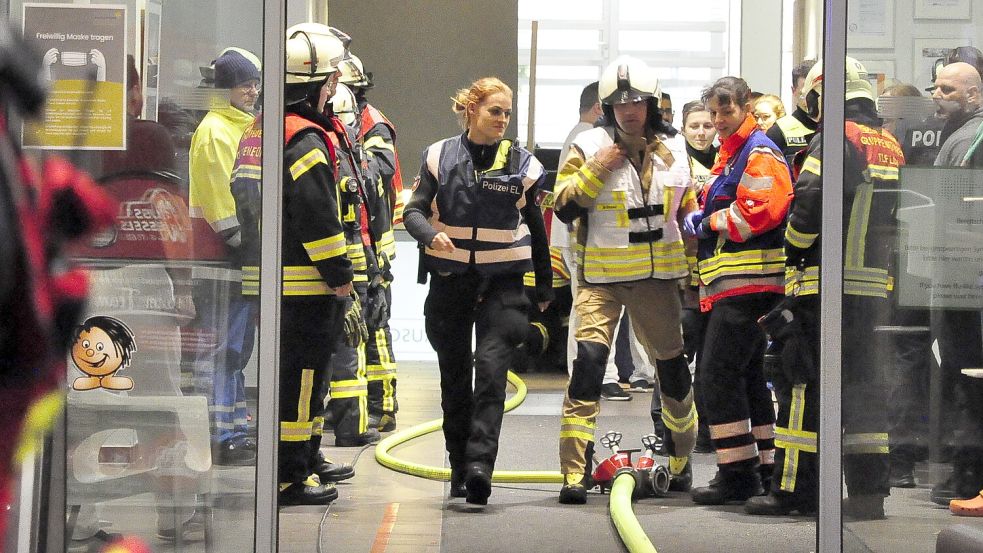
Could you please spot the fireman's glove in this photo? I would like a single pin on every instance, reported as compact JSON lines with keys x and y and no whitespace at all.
{"x":355,"y":331}
{"x":376,"y":306}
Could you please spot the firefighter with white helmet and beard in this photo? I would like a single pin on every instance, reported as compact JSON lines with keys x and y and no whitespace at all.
{"x":623,"y":184}
{"x":870,"y":176}
{"x":317,"y":274}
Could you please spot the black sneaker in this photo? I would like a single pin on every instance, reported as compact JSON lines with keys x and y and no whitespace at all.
{"x":641,"y":386}
{"x":613,"y":391}
{"x":477,"y":480}
{"x":308,"y":492}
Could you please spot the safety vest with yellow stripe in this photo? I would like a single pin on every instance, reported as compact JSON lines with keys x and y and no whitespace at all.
{"x":872,"y":165}
{"x":481,"y":212}
{"x":632,"y":233}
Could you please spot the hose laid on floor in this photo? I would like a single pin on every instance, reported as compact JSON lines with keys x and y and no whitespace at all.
{"x":623,"y":515}
{"x":387,"y":460}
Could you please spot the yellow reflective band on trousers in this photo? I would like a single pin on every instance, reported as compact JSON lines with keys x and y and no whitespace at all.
{"x":295,"y":431}
{"x":304,"y":400}
{"x":386,"y":369}
{"x":348,"y":388}
{"x":317,"y":426}
{"x":578,"y":428}
{"x":250,"y":280}
{"x":873,"y":443}
{"x":680,"y":425}
{"x":794,"y":440}
{"x":735,"y":454}
{"x":326,"y":248}
{"x":726,"y":430}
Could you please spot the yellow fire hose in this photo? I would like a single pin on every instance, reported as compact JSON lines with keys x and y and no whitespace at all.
{"x":620,"y":508}
{"x":623,"y":515}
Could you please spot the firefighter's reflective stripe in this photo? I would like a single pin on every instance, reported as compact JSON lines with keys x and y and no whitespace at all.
{"x":736,"y":454}
{"x":250,"y":280}
{"x":801,"y":282}
{"x":326,"y":248}
{"x":386,"y":368}
{"x":306,"y":389}
{"x":865,"y":443}
{"x":799,"y":239}
{"x":812,"y":165}
{"x":248,"y":171}
{"x":305,"y":163}
{"x":349,"y":388}
{"x":728,"y":429}
{"x":794,"y":440}
{"x":387,"y":244}
{"x":656,"y":259}
{"x":576,"y":427}
{"x":317,"y":426}
{"x":764,"y":262}
{"x":588,"y":182}
{"x":680,"y":425}
{"x":295,"y":431}
{"x":377,"y":142}
{"x":302,"y":280}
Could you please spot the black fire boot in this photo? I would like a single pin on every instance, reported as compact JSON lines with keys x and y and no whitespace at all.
{"x":729,"y":485}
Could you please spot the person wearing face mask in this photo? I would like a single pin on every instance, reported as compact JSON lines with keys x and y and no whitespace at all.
{"x":959,"y":96}
{"x":624,"y":183}
{"x":474,"y":213}
{"x":793,"y":132}
{"x":699,"y":132}
{"x":741,"y":270}
{"x":218,"y":367}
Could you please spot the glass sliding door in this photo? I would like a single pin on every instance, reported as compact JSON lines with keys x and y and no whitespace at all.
{"x":152,"y":99}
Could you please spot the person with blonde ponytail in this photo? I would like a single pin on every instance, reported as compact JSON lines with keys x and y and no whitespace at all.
{"x":474,"y":212}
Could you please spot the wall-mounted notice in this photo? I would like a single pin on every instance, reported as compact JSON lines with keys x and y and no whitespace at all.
{"x":84,"y":50}
{"x":941,"y":246}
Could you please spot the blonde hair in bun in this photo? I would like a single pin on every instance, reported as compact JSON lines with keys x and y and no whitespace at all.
{"x":475,"y":94}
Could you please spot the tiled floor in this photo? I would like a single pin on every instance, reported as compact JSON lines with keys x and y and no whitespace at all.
{"x":383,"y":511}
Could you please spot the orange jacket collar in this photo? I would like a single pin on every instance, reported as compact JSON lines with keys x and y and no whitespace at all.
{"x":733,"y":143}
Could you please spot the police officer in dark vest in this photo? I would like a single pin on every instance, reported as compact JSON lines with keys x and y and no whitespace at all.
{"x":474,"y":213}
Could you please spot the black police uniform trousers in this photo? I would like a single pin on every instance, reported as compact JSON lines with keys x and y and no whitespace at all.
{"x":735,"y":394}
{"x":309,"y":330}
{"x":497,"y":309}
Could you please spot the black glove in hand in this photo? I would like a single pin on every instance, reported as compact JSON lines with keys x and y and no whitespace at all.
{"x":355,"y":331}
{"x":376,"y":307}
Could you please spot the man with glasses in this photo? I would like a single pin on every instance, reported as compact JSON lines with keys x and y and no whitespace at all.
{"x":219,"y":362}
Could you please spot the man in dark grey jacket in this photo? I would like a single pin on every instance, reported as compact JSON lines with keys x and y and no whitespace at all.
{"x":958,"y":94}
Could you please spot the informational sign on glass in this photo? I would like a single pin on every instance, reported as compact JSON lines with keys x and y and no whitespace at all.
{"x":941,"y":243}
{"x":84,"y":50}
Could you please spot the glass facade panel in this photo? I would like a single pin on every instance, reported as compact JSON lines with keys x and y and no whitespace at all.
{"x":162,"y":374}
{"x":912,"y":290}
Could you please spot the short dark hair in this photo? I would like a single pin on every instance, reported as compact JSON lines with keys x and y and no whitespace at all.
{"x":588,"y":97}
{"x":728,"y":90}
{"x":801,"y":70}
{"x":666,"y":96}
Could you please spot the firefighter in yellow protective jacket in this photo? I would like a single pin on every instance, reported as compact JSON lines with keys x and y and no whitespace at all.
{"x":870,"y":178}
{"x":623,"y":183}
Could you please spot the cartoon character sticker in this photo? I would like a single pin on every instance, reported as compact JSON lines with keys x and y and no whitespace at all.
{"x":103,"y":346}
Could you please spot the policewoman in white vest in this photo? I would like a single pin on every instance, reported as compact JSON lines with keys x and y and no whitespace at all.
{"x":474,"y":213}
{"x":624,"y":184}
